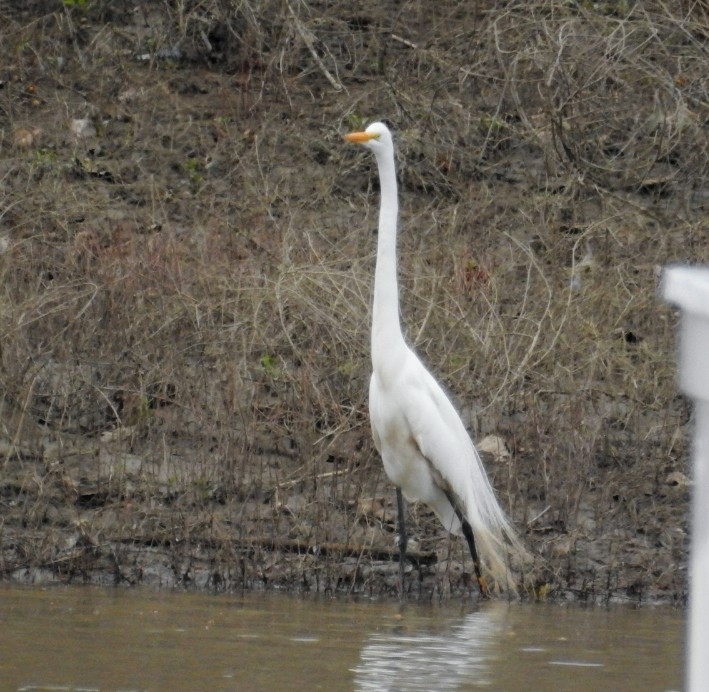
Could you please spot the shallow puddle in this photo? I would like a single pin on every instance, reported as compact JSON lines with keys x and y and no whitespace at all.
{"x":93,"y":639}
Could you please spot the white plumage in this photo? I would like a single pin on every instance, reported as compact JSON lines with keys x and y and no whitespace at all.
{"x":426,"y":450}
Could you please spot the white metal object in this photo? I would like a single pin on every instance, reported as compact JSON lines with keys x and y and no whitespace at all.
{"x":688,"y":288}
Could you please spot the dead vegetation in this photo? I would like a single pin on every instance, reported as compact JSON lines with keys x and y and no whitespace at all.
{"x":186,"y":251}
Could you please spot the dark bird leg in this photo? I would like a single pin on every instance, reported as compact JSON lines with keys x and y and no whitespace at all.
{"x":403,"y":539}
{"x":470,"y":538}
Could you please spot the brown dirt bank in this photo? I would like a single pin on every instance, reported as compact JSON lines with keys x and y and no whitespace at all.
{"x":186,"y":253}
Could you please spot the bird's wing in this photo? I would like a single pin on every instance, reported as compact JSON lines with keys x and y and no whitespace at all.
{"x":443,"y":440}
{"x":435,"y":424}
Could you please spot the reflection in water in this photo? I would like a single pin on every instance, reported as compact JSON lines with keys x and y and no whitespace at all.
{"x":117,"y":639}
{"x":401,"y":660}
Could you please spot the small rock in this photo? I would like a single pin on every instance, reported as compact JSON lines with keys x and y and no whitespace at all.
{"x":82,"y":128}
{"x":495,"y":445}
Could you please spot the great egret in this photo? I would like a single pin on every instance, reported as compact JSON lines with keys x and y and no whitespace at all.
{"x":426,"y":450}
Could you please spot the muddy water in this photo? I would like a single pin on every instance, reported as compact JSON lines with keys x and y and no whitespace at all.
{"x":90,"y":639}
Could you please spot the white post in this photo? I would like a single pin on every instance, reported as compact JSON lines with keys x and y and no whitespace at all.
{"x":688,"y":288}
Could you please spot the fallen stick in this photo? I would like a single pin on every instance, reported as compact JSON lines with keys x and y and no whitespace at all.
{"x":417,"y":557}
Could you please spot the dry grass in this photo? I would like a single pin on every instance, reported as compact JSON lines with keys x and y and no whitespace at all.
{"x":193,"y":282}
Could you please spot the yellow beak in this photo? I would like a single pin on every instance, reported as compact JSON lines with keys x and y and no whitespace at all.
{"x":360,"y":137}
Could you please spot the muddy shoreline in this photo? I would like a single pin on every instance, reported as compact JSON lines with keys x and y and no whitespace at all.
{"x":186,"y":256}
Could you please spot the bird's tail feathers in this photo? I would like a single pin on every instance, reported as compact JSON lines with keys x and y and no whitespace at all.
{"x":497,"y":542}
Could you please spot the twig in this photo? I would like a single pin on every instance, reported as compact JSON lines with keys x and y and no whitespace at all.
{"x":309,"y":39}
{"x":417,"y":557}
{"x":539,"y":516}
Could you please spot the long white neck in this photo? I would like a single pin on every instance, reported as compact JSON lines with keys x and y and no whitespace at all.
{"x":386,"y":328}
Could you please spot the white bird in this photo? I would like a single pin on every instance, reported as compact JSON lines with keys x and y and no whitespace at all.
{"x":426,"y":450}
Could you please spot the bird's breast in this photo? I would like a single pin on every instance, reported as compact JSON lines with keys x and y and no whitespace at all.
{"x":403,"y":462}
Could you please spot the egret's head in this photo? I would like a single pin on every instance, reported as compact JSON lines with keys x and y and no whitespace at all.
{"x":376,"y":137}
